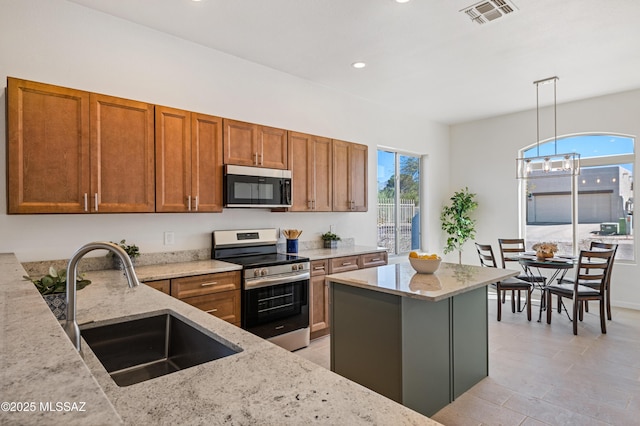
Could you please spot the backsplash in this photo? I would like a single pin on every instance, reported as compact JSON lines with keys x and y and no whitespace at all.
{"x":41,"y":267}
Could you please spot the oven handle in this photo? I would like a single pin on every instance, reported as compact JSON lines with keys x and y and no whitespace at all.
{"x":275,"y":280}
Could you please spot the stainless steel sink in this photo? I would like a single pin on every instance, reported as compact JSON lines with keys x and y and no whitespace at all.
{"x":136,"y":350}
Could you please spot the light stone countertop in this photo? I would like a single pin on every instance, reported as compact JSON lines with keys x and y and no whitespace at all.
{"x":174,"y":270}
{"x":401,"y":279}
{"x":264,"y":384}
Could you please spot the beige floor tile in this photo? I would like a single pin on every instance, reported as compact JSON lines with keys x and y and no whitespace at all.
{"x":541,"y":374}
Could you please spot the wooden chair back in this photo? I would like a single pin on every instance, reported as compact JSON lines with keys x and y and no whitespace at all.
{"x":485,"y":253}
{"x":594,"y":265}
{"x":510,"y":248}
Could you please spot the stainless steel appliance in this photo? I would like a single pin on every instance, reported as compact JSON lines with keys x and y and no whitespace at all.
{"x":256,"y":187}
{"x":275,"y":286}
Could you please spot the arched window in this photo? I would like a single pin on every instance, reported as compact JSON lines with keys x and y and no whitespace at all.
{"x":595,"y":205}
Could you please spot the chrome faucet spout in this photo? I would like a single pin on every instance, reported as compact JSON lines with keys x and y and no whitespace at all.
{"x":71,"y":325}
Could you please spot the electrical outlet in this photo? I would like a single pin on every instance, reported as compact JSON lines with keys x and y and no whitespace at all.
{"x":169,"y":238}
{"x":332,"y":228}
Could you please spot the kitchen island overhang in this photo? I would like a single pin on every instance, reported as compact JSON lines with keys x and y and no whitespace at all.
{"x":419,"y":339}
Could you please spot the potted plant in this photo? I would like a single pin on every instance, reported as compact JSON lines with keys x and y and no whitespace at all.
{"x":457,"y":223}
{"x":131,"y":249}
{"x":330,"y":239}
{"x":53,"y":288}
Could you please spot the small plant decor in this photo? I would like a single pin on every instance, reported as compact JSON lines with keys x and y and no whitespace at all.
{"x":55,"y":282}
{"x":131,"y":249}
{"x":456,"y":221}
{"x":330,"y":240}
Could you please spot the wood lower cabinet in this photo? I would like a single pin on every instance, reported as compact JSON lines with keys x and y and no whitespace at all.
{"x":310,"y":161}
{"x":217,"y":294}
{"x":371,"y":260}
{"x":248,"y":144}
{"x":344,"y":264}
{"x":71,"y":151}
{"x":319,"y":299}
{"x":160,"y":285}
{"x":319,"y":289}
{"x":188,"y":161}
{"x":350,"y":161}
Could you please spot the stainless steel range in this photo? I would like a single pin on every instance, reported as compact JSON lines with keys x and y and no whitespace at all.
{"x":275,"y":286}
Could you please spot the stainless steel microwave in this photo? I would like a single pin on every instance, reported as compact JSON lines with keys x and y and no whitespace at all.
{"x":256,"y":187}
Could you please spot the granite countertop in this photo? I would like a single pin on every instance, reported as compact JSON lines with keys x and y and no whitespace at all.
{"x":351,"y":250}
{"x":263,"y":384}
{"x":174,"y":270}
{"x":401,"y":279}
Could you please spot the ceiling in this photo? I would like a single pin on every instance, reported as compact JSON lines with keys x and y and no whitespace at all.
{"x":425,"y":57}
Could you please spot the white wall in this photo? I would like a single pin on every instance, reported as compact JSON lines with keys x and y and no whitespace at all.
{"x":483,"y":158}
{"x":62,"y":43}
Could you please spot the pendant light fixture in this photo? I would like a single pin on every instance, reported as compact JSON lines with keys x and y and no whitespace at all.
{"x":549,"y":165}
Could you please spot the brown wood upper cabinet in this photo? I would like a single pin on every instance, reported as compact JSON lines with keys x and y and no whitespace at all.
{"x":71,"y":151}
{"x":248,"y":144}
{"x":188,"y":161}
{"x":349,"y":176}
{"x":310,"y":163}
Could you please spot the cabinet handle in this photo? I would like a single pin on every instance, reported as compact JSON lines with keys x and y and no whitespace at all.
{"x":95,"y":200}
{"x":261,"y":160}
{"x":196,"y":197}
{"x":86,"y":203}
{"x":314,"y":204}
{"x":310,"y":204}
{"x":317,"y":268}
{"x":375,"y":259}
{"x":189,"y":202}
{"x":346,"y":263}
{"x":210,"y":311}
{"x":255,"y":158}
{"x":208,"y":284}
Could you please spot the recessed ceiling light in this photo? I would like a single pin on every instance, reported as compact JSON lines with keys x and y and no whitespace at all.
{"x":403,"y":1}
{"x":358,"y":64}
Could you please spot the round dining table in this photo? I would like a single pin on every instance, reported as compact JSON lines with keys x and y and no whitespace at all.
{"x":556,"y":266}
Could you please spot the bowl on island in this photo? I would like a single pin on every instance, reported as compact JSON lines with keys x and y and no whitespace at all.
{"x":424,"y":263}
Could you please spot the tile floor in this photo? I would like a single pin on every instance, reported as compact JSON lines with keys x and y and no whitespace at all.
{"x":542,"y":374}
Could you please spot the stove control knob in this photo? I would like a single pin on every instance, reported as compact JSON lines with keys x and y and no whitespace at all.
{"x":263,"y":272}
{"x":294,"y":267}
{"x":256,"y":272}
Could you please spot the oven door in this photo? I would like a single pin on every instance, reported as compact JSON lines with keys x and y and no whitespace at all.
{"x":261,"y":188}
{"x":273,"y":310}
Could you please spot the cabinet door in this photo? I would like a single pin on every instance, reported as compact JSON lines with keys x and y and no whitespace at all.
{"x":173,"y":160}
{"x":122,"y":155}
{"x":199,"y":285}
{"x":322,"y":171}
{"x":47,"y":148}
{"x":301,"y":162}
{"x":224,"y":305}
{"x":358,"y":161}
{"x":240,"y":143}
{"x":343,"y":264}
{"x":341,"y":200}
{"x":206,"y":163}
{"x":319,"y":305}
{"x":273,"y":145}
{"x":160,"y":285}
{"x":349,"y":176}
{"x":369,"y":260}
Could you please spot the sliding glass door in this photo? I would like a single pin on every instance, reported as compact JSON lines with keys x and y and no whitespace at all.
{"x":398,"y":201}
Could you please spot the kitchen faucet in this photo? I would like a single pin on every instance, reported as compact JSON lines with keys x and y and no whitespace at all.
{"x":71,"y":325}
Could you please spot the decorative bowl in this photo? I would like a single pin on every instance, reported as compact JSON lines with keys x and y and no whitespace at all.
{"x":425,"y":266}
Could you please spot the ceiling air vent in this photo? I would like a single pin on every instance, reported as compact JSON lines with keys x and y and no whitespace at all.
{"x":489,"y":10}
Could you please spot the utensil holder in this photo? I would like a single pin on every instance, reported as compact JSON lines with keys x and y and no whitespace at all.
{"x":292,"y":246}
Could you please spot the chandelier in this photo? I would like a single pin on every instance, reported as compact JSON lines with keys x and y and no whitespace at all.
{"x":550,"y":165}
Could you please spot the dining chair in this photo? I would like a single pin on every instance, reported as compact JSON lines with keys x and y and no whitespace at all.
{"x":485,"y":253}
{"x":510,"y":248}
{"x":593,"y":267}
{"x":599,"y":246}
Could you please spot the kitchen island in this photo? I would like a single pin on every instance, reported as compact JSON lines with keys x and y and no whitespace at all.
{"x":261,"y":384}
{"x":419,"y":339}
